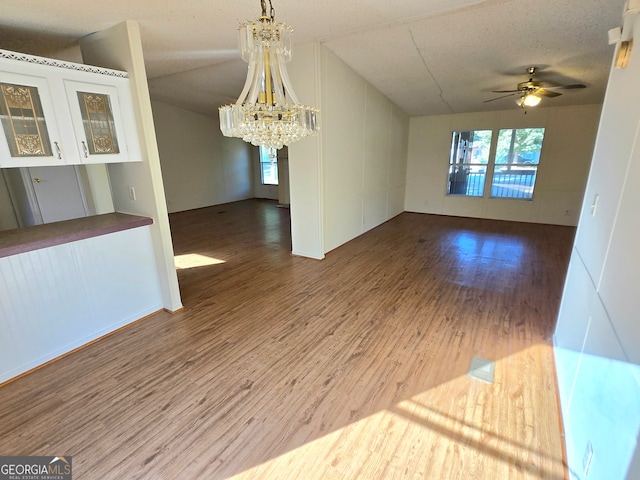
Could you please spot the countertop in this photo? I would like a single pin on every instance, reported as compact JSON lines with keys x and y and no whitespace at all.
{"x":21,"y":240}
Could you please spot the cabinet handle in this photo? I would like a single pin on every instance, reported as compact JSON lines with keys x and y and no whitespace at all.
{"x":86,"y":151}
{"x":59,"y":151}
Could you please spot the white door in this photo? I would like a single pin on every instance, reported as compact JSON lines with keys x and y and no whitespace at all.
{"x":58,"y":193}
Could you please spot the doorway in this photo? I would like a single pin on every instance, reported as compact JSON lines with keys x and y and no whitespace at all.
{"x":46,"y":194}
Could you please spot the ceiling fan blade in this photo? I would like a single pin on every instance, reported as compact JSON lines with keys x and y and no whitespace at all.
{"x":503,"y":96}
{"x":566,"y":87}
{"x":543,"y":92}
{"x":505,"y":91}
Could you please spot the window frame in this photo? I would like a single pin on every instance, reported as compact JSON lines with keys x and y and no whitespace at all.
{"x":491,"y":165}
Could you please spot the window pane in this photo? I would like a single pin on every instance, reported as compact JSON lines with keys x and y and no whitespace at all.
{"x":471,"y":147}
{"x":268,"y":166}
{"x":467,"y":180}
{"x":513,"y":182}
{"x":269,"y":174}
{"x":468,"y":162}
{"x":517,"y":158}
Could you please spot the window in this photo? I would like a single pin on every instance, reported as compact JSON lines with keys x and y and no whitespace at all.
{"x":517,"y":159}
{"x":468,"y":162}
{"x":513,"y":166}
{"x":268,"y":166}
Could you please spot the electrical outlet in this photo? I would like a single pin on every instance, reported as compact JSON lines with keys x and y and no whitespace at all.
{"x":132,"y":193}
{"x":587,"y":459}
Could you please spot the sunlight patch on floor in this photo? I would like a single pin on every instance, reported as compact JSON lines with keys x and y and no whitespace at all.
{"x":458,"y":429}
{"x":193,"y":260}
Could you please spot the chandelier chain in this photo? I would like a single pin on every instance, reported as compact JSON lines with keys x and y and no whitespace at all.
{"x":272,"y":11}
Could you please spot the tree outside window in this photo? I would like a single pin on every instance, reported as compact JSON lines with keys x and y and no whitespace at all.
{"x":516,"y":162}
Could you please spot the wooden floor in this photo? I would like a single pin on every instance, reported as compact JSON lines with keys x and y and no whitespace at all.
{"x":282,"y":367}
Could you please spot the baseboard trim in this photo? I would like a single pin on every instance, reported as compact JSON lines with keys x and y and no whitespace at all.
{"x":76,"y":349}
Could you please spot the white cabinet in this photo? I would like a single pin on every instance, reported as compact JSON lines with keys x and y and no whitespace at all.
{"x":60,"y":113}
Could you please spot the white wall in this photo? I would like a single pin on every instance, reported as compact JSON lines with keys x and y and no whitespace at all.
{"x":283,"y":180}
{"x":305,"y":159}
{"x":200,"y":166}
{"x":260,"y":190}
{"x":95,"y":179}
{"x":278,"y":192}
{"x":361,"y":155}
{"x":365,"y":145}
{"x":564,"y":164}
{"x":597,"y":339}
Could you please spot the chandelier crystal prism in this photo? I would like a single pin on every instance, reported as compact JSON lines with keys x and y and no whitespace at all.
{"x":267,"y":112}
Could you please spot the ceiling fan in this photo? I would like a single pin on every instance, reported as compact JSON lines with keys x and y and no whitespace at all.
{"x":531,"y":92}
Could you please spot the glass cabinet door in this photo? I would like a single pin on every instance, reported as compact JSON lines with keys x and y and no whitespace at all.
{"x":29,"y":132}
{"x":23,"y":121}
{"x":97,"y":121}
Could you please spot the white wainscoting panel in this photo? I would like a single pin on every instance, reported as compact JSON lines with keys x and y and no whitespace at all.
{"x":59,"y":298}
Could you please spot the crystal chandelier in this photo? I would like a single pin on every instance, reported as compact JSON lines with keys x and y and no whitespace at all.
{"x":267,"y":112}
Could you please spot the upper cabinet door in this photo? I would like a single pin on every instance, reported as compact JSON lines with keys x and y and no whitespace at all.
{"x":98,"y":122}
{"x":30,"y":135}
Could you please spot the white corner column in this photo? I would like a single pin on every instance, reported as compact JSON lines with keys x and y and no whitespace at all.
{"x":120,"y":47}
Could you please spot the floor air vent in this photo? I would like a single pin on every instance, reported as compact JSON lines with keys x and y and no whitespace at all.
{"x":481,"y":369}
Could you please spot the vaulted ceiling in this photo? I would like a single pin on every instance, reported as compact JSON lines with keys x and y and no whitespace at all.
{"x":428,"y":56}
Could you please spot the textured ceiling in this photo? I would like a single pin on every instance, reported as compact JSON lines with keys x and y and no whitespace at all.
{"x":428,"y":56}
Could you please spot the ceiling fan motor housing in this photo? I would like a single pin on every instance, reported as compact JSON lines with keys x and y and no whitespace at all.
{"x":529,"y":86}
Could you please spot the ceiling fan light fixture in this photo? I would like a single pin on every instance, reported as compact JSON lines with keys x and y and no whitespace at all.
{"x":267,"y":112}
{"x":529,"y":100}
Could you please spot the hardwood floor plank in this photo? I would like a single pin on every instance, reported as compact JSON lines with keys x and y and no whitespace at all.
{"x":350,"y":367}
